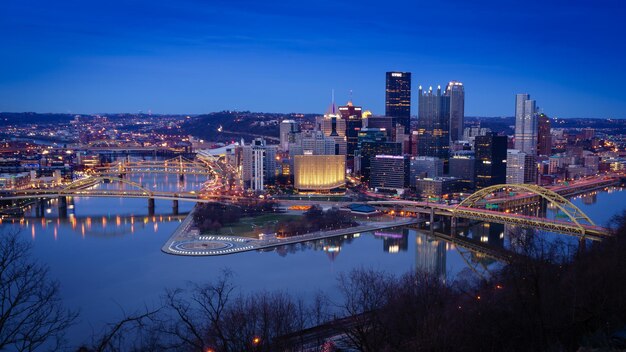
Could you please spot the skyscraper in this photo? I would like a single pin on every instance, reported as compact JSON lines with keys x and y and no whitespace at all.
{"x":490,"y":156}
{"x":456,"y":92}
{"x":372,"y":142}
{"x":398,"y":98}
{"x":544,"y":138}
{"x":433,"y":124}
{"x":525,"y":124}
{"x":354,"y":122}
{"x":515,"y":166}
{"x":287,"y":130}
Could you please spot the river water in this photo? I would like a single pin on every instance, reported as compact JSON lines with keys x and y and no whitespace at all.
{"x":107,"y":253}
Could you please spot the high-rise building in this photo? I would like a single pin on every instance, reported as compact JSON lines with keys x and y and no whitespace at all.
{"x":353,"y":117}
{"x":287,"y":130}
{"x":398,"y":98}
{"x":463,"y":165}
{"x":372,"y":142}
{"x":334,"y":126}
{"x":389,"y":172}
{"x":258,"y":164}
{"x":425,"y":166}
{"x":456,"y":92}
{"x":433,"y":124}
{"x":490,"y":156}
{"x":525,"y":124}
{"x":312,"y":143}
{"x":544,"y":138}
{"x":515,"y":166}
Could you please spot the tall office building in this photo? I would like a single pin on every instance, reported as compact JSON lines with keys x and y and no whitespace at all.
{"x":525,"y":124}
{"x":456,"y":92}
{"x":312,"y":143}
{"x":258,"y":164}
{"x":389,"y":172}
{"x":334,"y":126}
{"x":544,"y":138}
{"x":372,"y":142}
{"x":433,"y":124}
{"x":515,"y":166}
{"x":490,"y":158}
{"x":287,"y":130}
{"x":353,"y":117}
{"x":398,"y":98}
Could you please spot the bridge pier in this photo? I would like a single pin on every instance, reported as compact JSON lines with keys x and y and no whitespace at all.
{"x":432,"y":219}
{"x":40,"y":208}
{"x":62,"y":207}
{"x":181,"y":177}
{"x":582,"y":245}
{"x":453,"y":224}
{"x":150,"y":206}
{"x":175,"y":206}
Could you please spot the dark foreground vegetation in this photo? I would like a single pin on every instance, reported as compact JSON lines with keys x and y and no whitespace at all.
{"x":548,"y":301}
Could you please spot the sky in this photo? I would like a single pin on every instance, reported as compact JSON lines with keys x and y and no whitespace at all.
{"x":200,"y":56}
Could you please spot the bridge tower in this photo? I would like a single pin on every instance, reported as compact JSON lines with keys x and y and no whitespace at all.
{"x":181,"y":176}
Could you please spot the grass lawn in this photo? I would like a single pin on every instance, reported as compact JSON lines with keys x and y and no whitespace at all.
{"x":252,"y":226}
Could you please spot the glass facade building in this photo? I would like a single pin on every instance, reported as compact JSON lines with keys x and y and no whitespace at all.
{"x":398,"y":98}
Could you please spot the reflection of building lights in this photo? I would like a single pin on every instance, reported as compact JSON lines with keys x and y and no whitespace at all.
{"x":48,"y":211}
{"x":394,"y":248}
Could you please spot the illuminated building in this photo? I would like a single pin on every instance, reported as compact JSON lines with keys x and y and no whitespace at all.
{"x":287,"y":130}
{"x":456,"y":92}
{"x":332,"y":125}
{"x":372,"y":142}
{"x":490,"y":156}
{"x":353,"y":117}
{"x":439,"y":186}
{"x":319,"y":172}
{"x":258,"y":163}
{"x":433,"y":124}
{"x":389,"y":172}
{"x":463,"y":165}
{"x":525,"y":124}
{"x":515,"y":165}
{"x":544,"y":138}
{"x":398,"y":98}
{"x":312,"y":143}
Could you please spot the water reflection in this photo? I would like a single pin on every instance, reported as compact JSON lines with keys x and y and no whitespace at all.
{"x":430,"y":255}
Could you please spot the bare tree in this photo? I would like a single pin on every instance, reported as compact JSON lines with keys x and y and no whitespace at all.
{"x":31,"y":312}
{"x":131,"y":333}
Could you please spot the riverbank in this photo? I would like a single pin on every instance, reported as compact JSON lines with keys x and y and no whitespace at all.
{"x":188,"y":243}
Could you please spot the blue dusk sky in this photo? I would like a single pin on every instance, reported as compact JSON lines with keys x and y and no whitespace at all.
{"x":192,"y":56}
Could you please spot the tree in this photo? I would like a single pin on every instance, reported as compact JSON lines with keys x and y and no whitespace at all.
{"x":31,"y":311}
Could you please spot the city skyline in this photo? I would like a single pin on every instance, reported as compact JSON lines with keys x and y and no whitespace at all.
{"x":191,"y":57}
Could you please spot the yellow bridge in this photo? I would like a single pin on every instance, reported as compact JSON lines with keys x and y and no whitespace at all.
{"x":472,"y":208}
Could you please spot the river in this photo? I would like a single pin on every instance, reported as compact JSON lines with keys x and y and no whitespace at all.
{"x":107,"y":254}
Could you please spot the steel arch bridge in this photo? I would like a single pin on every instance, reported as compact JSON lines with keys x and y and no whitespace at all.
{"x":568,"y":208}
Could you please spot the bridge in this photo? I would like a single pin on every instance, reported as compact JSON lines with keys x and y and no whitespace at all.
{"x":179,"y":166}
{"x":473,"y":208}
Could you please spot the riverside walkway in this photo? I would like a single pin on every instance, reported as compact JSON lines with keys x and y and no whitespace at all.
{"x":187,"y":242}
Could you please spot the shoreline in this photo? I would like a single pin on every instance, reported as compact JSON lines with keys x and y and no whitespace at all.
{"x":184,"y":243}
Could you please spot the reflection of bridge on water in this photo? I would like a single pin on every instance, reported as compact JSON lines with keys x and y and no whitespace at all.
{"x":473,"y":208}
{"x":115,"y":173}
